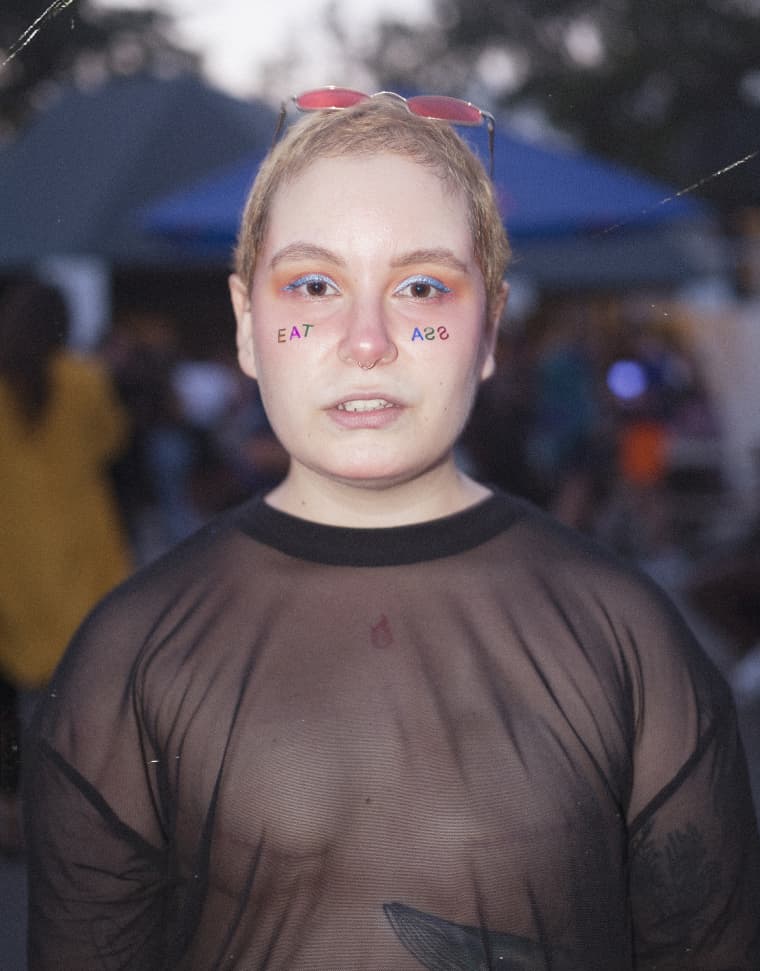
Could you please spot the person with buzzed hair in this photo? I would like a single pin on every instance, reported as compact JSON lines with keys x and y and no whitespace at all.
{"x":385,"y":717}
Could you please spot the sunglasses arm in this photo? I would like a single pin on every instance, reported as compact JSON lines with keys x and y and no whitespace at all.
{"x":280,"y":122}
{"x":491,"y":128}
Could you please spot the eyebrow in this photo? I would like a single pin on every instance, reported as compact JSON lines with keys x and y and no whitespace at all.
{"x":310,"y":251}
{"x":441,"y":255}
{"x":305,"y":251}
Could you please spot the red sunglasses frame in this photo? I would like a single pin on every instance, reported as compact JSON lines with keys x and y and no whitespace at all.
{"x":435,"y":107}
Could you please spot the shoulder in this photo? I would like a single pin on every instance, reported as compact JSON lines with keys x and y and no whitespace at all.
{"x":595,"y":608}
{"x":198,"y":576}
{"x":565,"y":559}
{"x":157,"y":632}
{"x":593,"y":589}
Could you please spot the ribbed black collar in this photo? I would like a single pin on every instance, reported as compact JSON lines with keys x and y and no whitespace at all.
{"x":390,"y":546}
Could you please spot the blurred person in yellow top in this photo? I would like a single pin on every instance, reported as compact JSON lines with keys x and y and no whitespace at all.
{"x":60,"y":533}
{"x":61,"y":426}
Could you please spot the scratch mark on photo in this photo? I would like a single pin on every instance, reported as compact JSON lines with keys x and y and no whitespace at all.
{"x":33,"y":29}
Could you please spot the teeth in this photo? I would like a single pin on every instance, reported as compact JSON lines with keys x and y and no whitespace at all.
{"x":371,"y":404}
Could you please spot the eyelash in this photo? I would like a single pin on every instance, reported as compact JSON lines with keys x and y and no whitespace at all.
{"x":308,"y":278}
{"x":303,"y":281}
{"x":440,"y":288}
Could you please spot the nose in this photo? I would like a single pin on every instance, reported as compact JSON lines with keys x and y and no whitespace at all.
{"x":367,"y":341}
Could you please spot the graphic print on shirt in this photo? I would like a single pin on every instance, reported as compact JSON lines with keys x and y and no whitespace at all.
{"x":441,"y":945}
{"x":381,"y":633}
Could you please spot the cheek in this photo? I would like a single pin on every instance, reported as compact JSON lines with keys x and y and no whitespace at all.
{"x":281,"y":398}
{"x":278,"y":322}
{"x":457,"y":348}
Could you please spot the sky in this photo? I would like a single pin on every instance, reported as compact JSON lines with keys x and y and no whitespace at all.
{"x":238,"y":36}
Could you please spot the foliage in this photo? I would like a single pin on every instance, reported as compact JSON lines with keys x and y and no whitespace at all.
{"x":77,"y":42}
{"x":671,"y":87}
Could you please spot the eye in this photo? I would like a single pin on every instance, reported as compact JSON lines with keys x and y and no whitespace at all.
{"x":312,"y":285}
{"x":421,"y":288}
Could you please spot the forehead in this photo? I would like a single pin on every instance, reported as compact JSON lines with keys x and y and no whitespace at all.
{"x":356,"y":200}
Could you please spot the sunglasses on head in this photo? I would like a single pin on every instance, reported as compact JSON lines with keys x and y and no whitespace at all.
{"x":436,"y":107}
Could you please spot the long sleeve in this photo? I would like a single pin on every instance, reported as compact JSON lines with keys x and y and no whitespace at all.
{"x":101,"y":893}
{"x":694,"y":853}
{"x":97,"y":863}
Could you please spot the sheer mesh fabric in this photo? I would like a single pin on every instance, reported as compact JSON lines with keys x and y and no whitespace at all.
{"x":473,"y":743}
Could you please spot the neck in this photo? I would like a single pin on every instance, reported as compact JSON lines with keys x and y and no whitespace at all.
{"x":438,"y":492}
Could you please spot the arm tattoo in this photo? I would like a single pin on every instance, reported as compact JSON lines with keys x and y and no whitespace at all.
{"x":673,"y":881}
{"x":441,"y":945}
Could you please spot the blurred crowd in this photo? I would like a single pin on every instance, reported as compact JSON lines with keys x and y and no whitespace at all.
{"x":199,"y":441}
{"x":598,"y":415}
{"x":604,"y":419}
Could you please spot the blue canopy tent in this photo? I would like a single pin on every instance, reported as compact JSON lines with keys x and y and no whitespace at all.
{"x":547,"y":192}
{"x":204,"y":216}
{"x":72,"y":181}
{"x":553,"y":201}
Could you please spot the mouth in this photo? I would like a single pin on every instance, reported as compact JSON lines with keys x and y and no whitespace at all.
{"x":366,"y":410}
{"x":365,"y":404}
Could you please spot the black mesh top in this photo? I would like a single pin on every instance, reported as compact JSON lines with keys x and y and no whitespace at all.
{"x":472,"y":743}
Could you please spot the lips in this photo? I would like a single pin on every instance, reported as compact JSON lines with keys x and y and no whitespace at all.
{"x":365,"y":409}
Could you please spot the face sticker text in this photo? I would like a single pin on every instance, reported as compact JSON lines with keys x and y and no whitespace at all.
{"x":300,"y":331}
{"x":295,"y":333}
{"x":430,"y":334}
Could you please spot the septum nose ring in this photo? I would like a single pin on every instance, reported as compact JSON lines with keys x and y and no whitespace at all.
{"x":390,"y":355}
{"x":364,"y":367}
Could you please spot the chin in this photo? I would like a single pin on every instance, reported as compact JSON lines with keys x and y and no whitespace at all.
{"x":376,"y":472}
{"x":370,"y":477}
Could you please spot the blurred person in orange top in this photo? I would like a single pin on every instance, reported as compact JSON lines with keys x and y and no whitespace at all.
{"x":62,"y":541}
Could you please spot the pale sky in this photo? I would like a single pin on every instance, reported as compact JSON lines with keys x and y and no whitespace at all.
{"x":237,"y":36}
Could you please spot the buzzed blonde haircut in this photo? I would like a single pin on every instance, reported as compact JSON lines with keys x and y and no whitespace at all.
{"x":379,"y":126}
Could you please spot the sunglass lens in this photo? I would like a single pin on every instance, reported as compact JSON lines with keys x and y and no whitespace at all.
{"x":445,"y":109}
{"x":324,"y":98}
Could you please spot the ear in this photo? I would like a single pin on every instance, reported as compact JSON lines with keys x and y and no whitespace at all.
{"x":491,"y":335}
{"x":241,"y":304}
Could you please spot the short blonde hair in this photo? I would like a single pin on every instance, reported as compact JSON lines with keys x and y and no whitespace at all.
{"x":377,"y":126}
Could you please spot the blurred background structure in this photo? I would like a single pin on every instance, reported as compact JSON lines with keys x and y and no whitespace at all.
{"x":628,"y":165}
